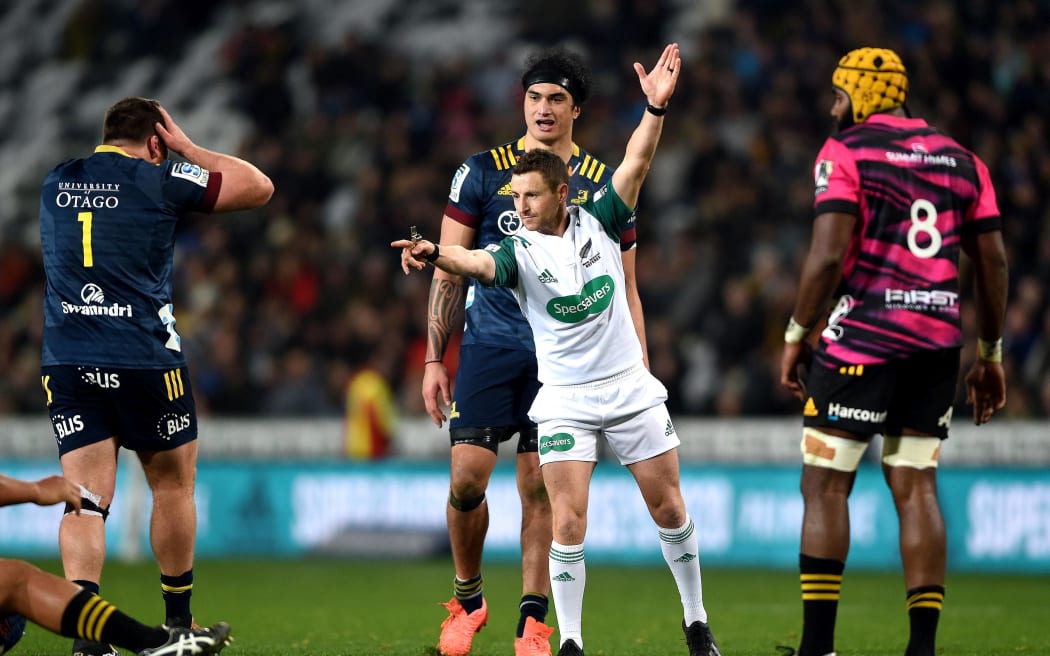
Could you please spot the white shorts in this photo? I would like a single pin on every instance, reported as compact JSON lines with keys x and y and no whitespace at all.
{"x":627,"y":409}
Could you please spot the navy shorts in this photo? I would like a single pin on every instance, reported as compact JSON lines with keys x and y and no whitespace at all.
{"x":916,"y":392}
{"x":494,"y":390}
{"x":146,"y":409}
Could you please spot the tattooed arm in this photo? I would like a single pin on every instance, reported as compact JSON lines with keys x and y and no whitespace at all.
{"x":444,"y":316}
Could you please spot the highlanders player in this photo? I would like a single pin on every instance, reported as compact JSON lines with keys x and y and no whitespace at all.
{"x":112,"y":367}
{"x":563,"y":268}
{"x":896,"y":200}
{"x":496,"y":381}
{"x":69,"y":610}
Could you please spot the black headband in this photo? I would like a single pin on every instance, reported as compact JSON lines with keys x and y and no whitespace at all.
{"x":549,"y":76}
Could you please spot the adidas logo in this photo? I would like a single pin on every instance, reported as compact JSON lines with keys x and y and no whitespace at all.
{"x":670,"y":429}
{"x":564,"y":577}
{"x":504,"y":190}
{"x":685,"y":558}
{"x":811,"y":408}
{"x":546,"y":277}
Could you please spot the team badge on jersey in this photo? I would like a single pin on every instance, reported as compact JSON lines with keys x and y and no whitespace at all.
{"x":822,"y":174}
{"x":191,"y":172}
{"x":457,"y":182}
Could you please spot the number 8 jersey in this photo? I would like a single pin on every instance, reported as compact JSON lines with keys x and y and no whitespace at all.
{"x":107,"y":232}
{"x":915,"y":193}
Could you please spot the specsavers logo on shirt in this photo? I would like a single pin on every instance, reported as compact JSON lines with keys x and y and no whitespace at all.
{"x":594,"y":298}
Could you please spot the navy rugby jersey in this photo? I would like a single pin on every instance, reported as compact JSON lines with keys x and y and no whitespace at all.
{"x":916,"y":193}
{"x":480,"y":199}
{"x":107,"y":232}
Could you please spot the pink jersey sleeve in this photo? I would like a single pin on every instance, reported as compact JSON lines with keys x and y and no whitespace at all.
{"x":836,"y":180}
{"x":986,"y":206}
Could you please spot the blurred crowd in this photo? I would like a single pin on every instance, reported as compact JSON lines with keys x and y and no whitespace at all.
{"x":279,"y":308}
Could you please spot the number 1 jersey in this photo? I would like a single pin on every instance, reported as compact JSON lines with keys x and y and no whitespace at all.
{"x":107,"y":232}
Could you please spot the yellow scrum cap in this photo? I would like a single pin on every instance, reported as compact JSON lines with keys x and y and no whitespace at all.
{"x":874,"y":79}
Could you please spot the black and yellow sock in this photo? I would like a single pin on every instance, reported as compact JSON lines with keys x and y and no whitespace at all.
{"x":532,"y":605}
{"x":821,"y":580}
{"x":90,"y":586}
{"x":924,"y":611}
{"x":177,"y":591}
{"x":469,"y":593}
{"x":91,"y":617}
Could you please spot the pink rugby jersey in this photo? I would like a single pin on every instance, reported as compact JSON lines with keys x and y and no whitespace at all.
{"x":915,"y":192}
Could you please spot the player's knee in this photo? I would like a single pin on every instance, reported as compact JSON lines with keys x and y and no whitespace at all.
{"x":531,"y":488}
{"x":465,"y":503}
{"x":569,"y":528}
{"x":916,"y":452}
{"x":820,"y":449}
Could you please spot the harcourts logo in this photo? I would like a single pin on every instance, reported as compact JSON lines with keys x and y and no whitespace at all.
{"x":836,"y":412}
{"x":93,"y":298}
{"x":594,"y":298}
{"x":556,"y":442}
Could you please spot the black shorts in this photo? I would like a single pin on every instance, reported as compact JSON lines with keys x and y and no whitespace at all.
{"x":915,"y":392}
{"x":146,"y":409}
{"x":494,"y":390}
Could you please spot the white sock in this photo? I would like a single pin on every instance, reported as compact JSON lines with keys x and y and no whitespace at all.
{"x":682,"y":553}
{"x":568,"y":574}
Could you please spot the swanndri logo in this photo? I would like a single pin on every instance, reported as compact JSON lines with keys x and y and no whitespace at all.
{"x":685,"y":558}
{"x":92,"y":293}
{"x":564,"y":577}
{"x":93,"y":298}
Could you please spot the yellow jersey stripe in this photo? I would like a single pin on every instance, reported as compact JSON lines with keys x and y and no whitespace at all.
{"x":178,"y":377}
{"x":167,"y":383}
{"x":591,"y":168}
{"x":46,"y":381}
{"x":599,"y":172}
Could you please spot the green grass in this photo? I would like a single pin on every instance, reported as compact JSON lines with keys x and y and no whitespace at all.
{"x":342,"y":608}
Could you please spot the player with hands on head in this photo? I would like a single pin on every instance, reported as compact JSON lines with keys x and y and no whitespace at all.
{"x":896,"y":203}
{"x":67,"y":609}
{"x":496,"y":380}
{"x":594,"y":381}
{"x":112,"y":366}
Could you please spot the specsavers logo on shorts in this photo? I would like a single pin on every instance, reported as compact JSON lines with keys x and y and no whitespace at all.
{"x":594,"y":298}
{"x":556,"y":442}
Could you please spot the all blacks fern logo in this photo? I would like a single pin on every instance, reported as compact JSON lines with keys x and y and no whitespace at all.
{"x":594,"y":298}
